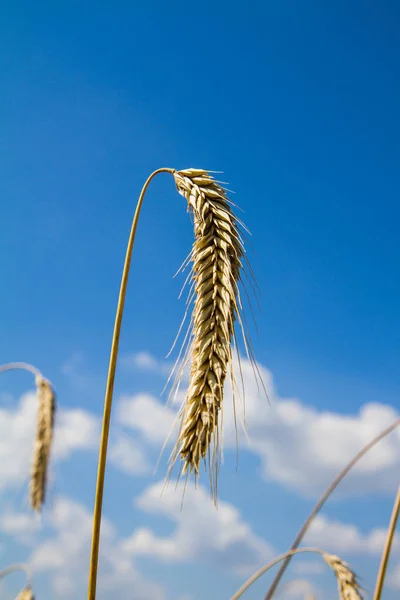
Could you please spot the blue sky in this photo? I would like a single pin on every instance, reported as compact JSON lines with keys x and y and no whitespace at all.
{"x":298,"y":105}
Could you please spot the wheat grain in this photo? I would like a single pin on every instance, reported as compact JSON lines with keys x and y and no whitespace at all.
{"x":43,"y":441}
{"x":26,"y":594}
{"x":348,"y":587}
{"x":216,"y":268}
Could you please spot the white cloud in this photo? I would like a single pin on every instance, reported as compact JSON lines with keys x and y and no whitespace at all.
{"x":146,"y":415}
{"x":202,"y":533}
{"x":65,"y":557}
{"x":338,"y":537}
{"x":141,"y":360}
{"x":306,"y":566}
{"x":304,"y":448}
{"x":128,"y":456}
{"x":74,"y":430}
{"x":21,"y":526}
{"x":17,"y":426}
{"x":299,"y":446}
{"x":297,"y":589}
{"x":144,"y":361}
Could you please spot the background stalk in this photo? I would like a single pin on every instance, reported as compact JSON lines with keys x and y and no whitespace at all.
{"x":388,"y":546}
{"x":98,"y":502}
{"x":322,"y":501}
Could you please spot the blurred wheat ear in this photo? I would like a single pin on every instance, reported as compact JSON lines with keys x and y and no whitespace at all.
{"x":26,"y":594}
{"x":43,"y":442}
{"x":348,"y":587}
{"x":44,"y":431}
{"x":217,"y":261}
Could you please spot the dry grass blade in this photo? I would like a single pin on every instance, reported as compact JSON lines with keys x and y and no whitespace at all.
{"x":216,"y":268}
{"x":349,"y":589}
{"x":26,"y":594}
{"x":43,"y":441}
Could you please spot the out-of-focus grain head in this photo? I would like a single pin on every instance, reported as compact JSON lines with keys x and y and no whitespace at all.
{"x":43,"y":441}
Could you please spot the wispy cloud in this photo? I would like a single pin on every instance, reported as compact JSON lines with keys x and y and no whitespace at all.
{"x":218,"y":537}
{"x":300,"y":447}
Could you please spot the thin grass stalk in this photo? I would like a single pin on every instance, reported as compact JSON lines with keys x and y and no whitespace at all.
{"x":18,"y":567}
{"x":20,"y":365}
{"x":322,"y":501}
{"x":388,"y":546}
{"x":346,"y":579}
{"x":247,"y":584}
{"x":98,"y":502}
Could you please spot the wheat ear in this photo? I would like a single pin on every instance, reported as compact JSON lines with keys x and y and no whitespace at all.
{"x":42,"y":446}
{"x":26,"y":594}
{"x":216,"y":266}
{"x":44,"y":431}
{"x":215,"y":211}
{"x":348,"y":586}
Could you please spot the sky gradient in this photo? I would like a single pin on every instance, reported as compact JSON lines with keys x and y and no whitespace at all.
{"x":297,"y":104}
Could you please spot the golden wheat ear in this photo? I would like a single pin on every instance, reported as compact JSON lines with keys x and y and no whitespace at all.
{"x":217,"y":257}
{"x":348,"y":586}
{"x":44,"y":437}
{"x":26,"y":594}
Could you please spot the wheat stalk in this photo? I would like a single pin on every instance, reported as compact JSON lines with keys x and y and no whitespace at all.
{"x":216,"y":255}
{"x":42,"y":446}
{"x":216,"y":267}
{"x":105,"y":428}
{"x":388,"y":546}
{"x":348,"y":587}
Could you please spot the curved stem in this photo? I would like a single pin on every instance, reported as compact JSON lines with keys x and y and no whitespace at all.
{"x":323,"y":499}
{"x":18,"y":567}
{"x":21,"y":365}
{"x":388,"y":546}
{"x":268,"y":566}
{"x":98,"y":502}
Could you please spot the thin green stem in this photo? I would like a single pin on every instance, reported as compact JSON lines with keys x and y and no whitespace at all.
{"x":268,"y":566}
{"x":388,"y":546}
{"x":98,"y":502}
{"x":322,"y":501}
{"x":18,"y":567}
